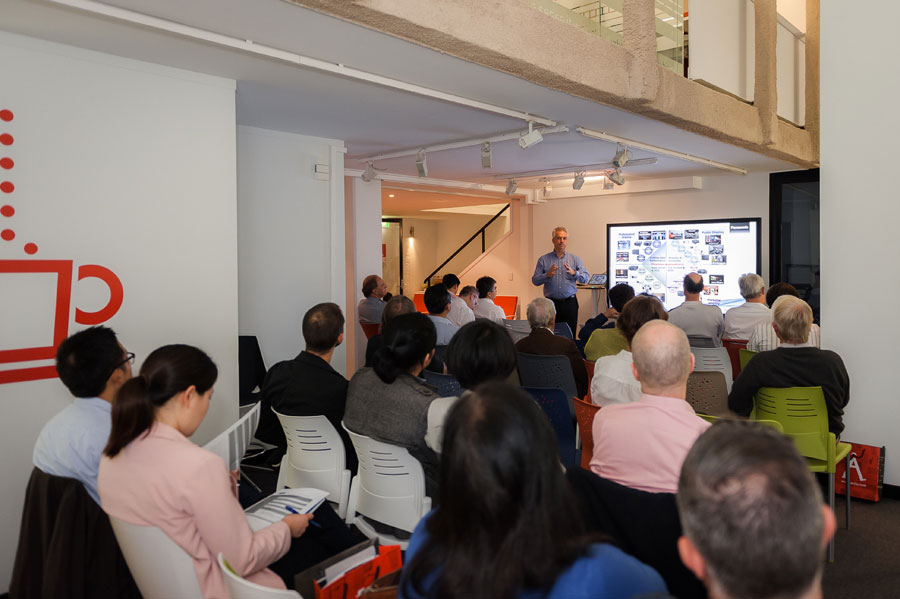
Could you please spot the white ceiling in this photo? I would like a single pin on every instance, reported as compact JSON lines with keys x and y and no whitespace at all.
{"x":369,"y":118}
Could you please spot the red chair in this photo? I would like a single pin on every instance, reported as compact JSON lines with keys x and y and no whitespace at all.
{"x":508,"y":303}
{"x":369,"y":329}
{"x":419,"y":301}
{"x":734,"y":347}
{"x":589,"y":366}
{"x":584,"y":414}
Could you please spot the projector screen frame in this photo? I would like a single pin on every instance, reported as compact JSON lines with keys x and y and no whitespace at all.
{"x":610,"y":255}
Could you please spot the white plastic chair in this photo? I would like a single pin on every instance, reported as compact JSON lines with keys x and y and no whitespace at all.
{"x":315,"y":458}
{"x":240,"y":588}
{"x":713,"y":359}
{"x":161,"y":569}
{"x":389,"y":488}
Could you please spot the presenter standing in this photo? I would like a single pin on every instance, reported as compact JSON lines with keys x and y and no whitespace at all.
{"x":558,"y":271}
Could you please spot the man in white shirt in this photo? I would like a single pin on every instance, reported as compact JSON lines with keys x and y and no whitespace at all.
{"x":460,"y":313}
{"x":741,"y":320}
{"x":486,"y":308}
{"x":696,"y":318}
{"x":437,"y":302}
{"x":762,"y":336}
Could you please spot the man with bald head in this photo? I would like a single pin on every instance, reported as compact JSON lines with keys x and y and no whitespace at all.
{"x":643,"y":444}
{"x":696,"y":318}
{"x":795,"y":363}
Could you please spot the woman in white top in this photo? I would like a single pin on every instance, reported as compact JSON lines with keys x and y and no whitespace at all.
{"x":613,"y":380}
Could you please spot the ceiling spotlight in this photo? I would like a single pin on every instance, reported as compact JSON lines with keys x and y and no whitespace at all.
{"x":511,"y":187}
{"x":486,"y":155}
{"x":607,"y":183}
{"x":620,"y":158}
{"x":616,"y":177}
{"x":526,"y":140}
{"x":421,"y":165}
{"x":548,"y":189}
{"x":369,"y":174}
{"x":579,"y":180}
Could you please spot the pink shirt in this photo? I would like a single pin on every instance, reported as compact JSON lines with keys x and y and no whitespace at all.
{"x":162,"y":479}
{"x":643,"y":444}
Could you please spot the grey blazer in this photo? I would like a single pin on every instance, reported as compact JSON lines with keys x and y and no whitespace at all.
{"x":395,"y":413}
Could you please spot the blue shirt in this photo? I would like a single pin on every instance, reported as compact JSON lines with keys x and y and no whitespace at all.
{"x":603,"y":572}
{"x":562,"y":284}
{"x":444,"y":329}
{"x":72,"y":443}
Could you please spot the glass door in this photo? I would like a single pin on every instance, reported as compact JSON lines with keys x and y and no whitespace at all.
{"x":392,"y":254}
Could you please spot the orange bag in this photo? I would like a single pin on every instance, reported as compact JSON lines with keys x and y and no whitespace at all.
{"x":866,"y":472}
{"x":348,"y":586}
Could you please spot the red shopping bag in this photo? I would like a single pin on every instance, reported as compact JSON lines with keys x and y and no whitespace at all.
{"x":866,"y":472}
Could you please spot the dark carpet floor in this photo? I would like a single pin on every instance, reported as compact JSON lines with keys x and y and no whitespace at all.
{"x":867,"y":557}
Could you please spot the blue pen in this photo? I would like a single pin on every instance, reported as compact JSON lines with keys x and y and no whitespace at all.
{"x":293,"y":511}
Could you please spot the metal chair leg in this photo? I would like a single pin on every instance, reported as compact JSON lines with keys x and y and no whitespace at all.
{"x":847,"y":478}
{"x":831,"y":505}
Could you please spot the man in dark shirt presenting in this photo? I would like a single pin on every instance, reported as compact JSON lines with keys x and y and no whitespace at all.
{"x":794,"y":364}
{"x":308,"y":385}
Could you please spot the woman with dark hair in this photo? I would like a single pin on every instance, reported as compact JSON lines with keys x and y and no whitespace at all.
{"x":389,"y":401}
{"x":152,"y":475}
{"x":395,"y":307}
{"x":507,"y":525}
{"x":481,"y":351}
{"x":613,"y":380}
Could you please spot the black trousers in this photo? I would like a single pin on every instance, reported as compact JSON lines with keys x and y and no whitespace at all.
{"x":567,"y":312}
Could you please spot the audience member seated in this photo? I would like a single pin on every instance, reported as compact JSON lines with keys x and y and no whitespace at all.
{"x":614,"y":380}
{"x":741,"y":320}
{"x":696,"y":318}
{"x":308,"y":385}
{"x":794,"y":364}
{"x":486,"y":308}
{"x":469,"y":294}
{"x":507,"y":524}
{"x":93,"y":365}
{"x":372,"y":305}
{"x":460,"y":312}
{"x":395,"y":307}
{"x":618,"y":297}
{"x":480,"y":352}
{"x":541,"y":341}
{"x":389,"y":402}
{"x":437,"y":302}
{"x":754,"y":523}
{"x":642,"y":444}
{"x":152,"y":475}
{"x":763,"y":337}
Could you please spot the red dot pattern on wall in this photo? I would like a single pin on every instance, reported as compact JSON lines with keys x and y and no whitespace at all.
{"x":7,"y":234}
{"x":6,"y":163}
{"x":7,"y":211}
{"x":6,"y":115}
{"x":6,"y":139}
{"x":7,"y":187}
{"x":30,"y":248}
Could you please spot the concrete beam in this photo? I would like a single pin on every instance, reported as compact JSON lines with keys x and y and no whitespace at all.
{"x":509,"y":36}
{"x":639,"y":38}
{"x":812,"y":70}
{"x":765,"y":88}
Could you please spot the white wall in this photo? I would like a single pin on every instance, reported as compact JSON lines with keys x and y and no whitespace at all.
{"x":363,"y":243}
{"x":858,"y":110}
{"x":130,"y":166}
{"x":722,"y":196}
{"x":290,"y":236}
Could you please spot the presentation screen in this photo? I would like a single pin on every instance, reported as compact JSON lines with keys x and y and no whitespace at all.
{"x":655,"y":257}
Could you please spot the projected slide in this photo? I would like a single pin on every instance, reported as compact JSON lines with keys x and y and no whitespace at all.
{"x":655,"y":257}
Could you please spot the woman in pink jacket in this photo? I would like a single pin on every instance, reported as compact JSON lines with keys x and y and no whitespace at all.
{"x":152,"y":475}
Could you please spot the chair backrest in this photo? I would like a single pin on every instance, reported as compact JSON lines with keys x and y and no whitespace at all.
{"x":240,"y":588}
{"x":315,"y":455}
{"x":746,"y":355}
{"x":556,"y":406}
{"x":584,"y":414}
{"x":509,"y":303}
{"x":562,"y":329}
{"x":802,"y":413}
{"x":251,"y":366}
{"x":161,"y":568}
{"x":701,"y":341}
{"x":734,"y":347}
{"x":603,"y":342}
{"x":713,"y":359}
{"x":708,"y":394}
{"x":370,"y":329}
{"x":589,"y":367}
{"x":446,"y":384}
{"x":547,"y":372}
{"x":419,"y":301}
{"x":390,"y":484}
{"x":517,"y":329}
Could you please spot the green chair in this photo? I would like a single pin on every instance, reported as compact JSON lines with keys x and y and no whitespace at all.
{"x":603,"y":342}
{"x":746,"y":354}
{"x":804,"y":416}
{"x":770,"y":423}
